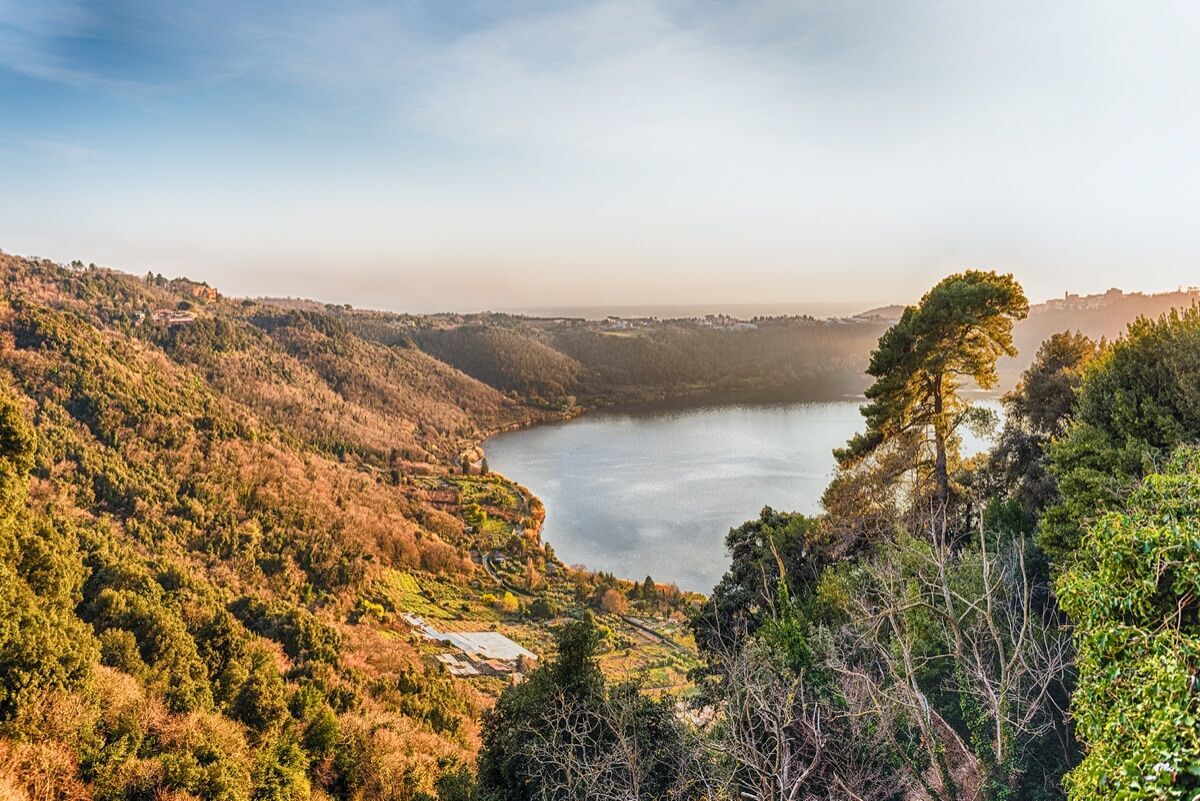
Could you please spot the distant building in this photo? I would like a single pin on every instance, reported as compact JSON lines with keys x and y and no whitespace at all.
{"x":172,"y":316}
{"x":457,"y":666}
{"x":1073,"y":302}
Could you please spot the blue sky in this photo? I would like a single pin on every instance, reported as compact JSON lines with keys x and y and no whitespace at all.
{"x":430,"y":155}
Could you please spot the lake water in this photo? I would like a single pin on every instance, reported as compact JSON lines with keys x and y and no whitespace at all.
{"x":656,"y":492}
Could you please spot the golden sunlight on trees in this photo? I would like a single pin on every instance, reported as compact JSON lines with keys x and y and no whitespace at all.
{"x":955,"y":333}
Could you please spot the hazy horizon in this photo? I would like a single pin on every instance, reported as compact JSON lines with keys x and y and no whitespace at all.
{"x":429,"y":156}
{"x":599,"y":311}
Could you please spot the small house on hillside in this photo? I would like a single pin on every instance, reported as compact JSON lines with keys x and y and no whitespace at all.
{"x":172,"y":316}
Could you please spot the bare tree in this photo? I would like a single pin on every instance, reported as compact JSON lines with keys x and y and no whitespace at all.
{"x":598,"y":750}
{"x":782,"y":736}
{"x":997,"y":632}
{"x":881,"y":663}
{"x":1010,"y":650}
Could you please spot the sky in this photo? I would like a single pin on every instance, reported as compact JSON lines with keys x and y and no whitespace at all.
{"x":522,"y":154}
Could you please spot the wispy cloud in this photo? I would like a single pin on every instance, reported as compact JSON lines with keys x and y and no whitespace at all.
{"x":64,"y":149}
{"x":651,"y":142}
{"x":610,"y":80}
{"x":36,"y":40}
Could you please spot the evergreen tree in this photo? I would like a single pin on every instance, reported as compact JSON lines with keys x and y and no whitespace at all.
{"x":956,"y":332}
{"x":1037,"y":412}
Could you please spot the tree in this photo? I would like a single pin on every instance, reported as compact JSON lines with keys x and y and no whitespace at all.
{"x":786,"y":735}
{"x":612,"y":601}
{"x":1037,"y":412}
{"x":785,"y":730}
{"x":542,"y":609}
{"x":957,"y":332}
{"x":649,"y":590}
{"x":563,"y":734}
{"x":43,"y":646}
{"x":259,"y":702}
{"x":762,"y":551}
{"x":574,"y":674}
{"x":474,"y":515}
{"x":533,"y":579}
{"x":508,"y":603}
{"x":961,"y":646}
{"x":457,"y":784}
{"x":1138,"y":401}
{"x":282,"y":771}
{"x":1131,"y":594}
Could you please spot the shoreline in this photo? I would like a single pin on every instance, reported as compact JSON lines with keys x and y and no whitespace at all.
{"x":696,"y":401}
{"x":685,"y":404}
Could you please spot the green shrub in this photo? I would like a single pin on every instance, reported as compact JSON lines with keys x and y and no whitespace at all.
{"x":119,"y":649}
{"x":301,"y":634}
{"x":259,"y":702}
{"x":1131,"y":593}
{"x":1139,"y":400}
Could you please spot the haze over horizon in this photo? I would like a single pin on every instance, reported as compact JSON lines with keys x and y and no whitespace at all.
{"x":426,"y":156}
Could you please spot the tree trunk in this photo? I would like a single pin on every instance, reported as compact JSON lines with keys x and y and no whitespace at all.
{"x":940,"y":469}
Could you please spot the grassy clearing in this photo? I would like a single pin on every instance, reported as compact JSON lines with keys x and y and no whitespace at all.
{"x":494,"y":532}
{"x":396,"y":591}
{"x":486,"y":491}
{"x":656,"y":667}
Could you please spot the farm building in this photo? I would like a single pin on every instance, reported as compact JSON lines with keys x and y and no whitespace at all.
{"x":487,"y":653}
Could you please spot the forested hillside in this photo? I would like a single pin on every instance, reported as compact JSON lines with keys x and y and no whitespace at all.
{"x":592,"y":364}
{"x":557,"y":363}
{"x":215,"y":514}
{"x":193,"y":507}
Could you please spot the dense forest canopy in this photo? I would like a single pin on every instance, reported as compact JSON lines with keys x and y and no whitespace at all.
{"x":215,"y":514}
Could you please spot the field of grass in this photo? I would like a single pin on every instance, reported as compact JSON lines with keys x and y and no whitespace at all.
{"x":655,"y":666}
{"x":486,"y":491}
{"x":494,"y":532}
{"x":397,"y":591}
{"x":628,"y":654}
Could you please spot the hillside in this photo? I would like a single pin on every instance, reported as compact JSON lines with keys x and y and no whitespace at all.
{"x":238,"y":505}
{"x":1097,"y":316}
{"x":511,"y":360}
{"x":559,"y":362}
{"x":562,"y":363}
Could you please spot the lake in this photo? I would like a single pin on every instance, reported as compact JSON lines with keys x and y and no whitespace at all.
{"x":656,"y":492}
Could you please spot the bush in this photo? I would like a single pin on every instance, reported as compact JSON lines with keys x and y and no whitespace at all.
{"x":163,"y":642}
{"x":301,"y":634}
{"x":613,"y":602}
{"x":542,"y":609}
{"x":259,"y":702}
{"x":119,"y":649}
{"x":1131,"y":595}
{"x":282,"y":772}
{"x":1139,"y":400}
